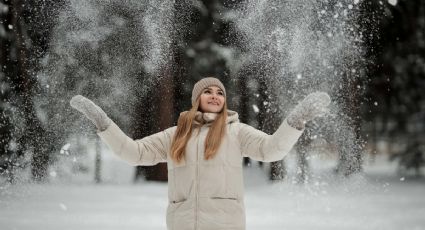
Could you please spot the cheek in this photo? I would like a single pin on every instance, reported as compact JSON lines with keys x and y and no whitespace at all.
{"x":203,"y":103}
{"x":204,"y":99}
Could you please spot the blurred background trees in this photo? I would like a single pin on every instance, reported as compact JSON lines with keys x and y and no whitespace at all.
{"x":115,"y":67}
{"x":395,"y":114}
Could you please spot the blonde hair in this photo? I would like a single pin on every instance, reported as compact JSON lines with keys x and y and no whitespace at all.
{"x":185,"y":127}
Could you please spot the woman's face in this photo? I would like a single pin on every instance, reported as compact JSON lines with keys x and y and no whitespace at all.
{"x":212,"y":100}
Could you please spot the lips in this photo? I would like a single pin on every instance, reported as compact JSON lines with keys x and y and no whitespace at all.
{"x":213,"y":103}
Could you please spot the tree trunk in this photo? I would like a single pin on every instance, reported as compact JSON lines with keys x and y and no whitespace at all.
{"x":268,"y":122}
{"x":144,"y":126}
{"x":244,"y":105}
{"x":302,"y":163}
{"x":34,"y":137}
{"x":349,"y":141}
{"x":165,"y":114}
{"x":98,"y":161}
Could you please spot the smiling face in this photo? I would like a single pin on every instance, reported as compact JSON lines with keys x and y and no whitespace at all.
{"x":212,"y":100}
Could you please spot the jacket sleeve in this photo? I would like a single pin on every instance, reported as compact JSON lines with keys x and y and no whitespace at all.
{"x":268,"y":148}
{"x":149,"y":150}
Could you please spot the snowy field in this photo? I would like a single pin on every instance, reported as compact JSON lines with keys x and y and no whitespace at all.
{"x":379,"y":199}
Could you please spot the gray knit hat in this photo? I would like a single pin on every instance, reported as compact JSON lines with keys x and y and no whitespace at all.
{"x":204,"y":83}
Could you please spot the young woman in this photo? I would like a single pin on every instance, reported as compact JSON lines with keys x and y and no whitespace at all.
{"x":204,"y":154}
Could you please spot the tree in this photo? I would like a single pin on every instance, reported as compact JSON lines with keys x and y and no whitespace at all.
{"x":396,"y":74}
{"x":107,"y":51}
{"x":306,"y":46}
{"x":24,"y":44}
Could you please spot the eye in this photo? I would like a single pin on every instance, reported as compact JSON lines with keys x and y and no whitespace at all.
{"x":220,"y":93}
{"x":207,"y":91}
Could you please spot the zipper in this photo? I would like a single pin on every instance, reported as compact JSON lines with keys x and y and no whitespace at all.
{"x":199,"y":153}
{"x":196,"y":180}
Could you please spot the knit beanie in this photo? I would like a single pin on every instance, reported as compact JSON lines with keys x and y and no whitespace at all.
{"x":204,"y":83}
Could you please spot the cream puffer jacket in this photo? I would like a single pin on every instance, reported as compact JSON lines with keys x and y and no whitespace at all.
{"x":205,"y":194}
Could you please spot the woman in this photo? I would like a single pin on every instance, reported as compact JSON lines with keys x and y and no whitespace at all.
{"x":204,"y":154}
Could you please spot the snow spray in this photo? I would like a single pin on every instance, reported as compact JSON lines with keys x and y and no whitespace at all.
{"x":308,"y":46}
{"x":108,"y":51}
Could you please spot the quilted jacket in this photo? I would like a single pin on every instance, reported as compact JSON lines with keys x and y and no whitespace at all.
{"x":205,"y":194}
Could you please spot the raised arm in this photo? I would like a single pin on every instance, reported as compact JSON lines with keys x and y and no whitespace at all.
{"x":146,"y":151}
{"x":268,"y":148}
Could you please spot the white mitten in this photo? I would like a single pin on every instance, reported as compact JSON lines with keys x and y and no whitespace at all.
{"x":91,"y":111}
{"x":314,"y":105}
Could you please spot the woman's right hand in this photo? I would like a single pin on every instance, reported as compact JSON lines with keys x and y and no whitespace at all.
{"x":91,"y":111}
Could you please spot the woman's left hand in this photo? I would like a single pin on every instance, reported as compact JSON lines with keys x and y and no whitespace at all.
{"x":314,"y":105}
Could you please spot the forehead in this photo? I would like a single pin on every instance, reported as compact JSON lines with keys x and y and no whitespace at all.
{"x":213,"y":87}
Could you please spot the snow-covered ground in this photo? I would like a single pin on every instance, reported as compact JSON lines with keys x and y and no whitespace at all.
{"x":379,"y":199}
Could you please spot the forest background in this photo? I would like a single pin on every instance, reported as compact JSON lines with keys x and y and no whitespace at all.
{"x":139,"y":61}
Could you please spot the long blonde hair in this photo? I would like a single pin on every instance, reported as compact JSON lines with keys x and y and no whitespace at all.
{"x":185,"y":126}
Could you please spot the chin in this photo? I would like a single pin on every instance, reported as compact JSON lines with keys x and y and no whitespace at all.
{"x":212,"y":110}
{"x":216,"y":110}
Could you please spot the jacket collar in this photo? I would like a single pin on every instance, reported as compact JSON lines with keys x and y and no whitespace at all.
{"x":207,"y":118}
